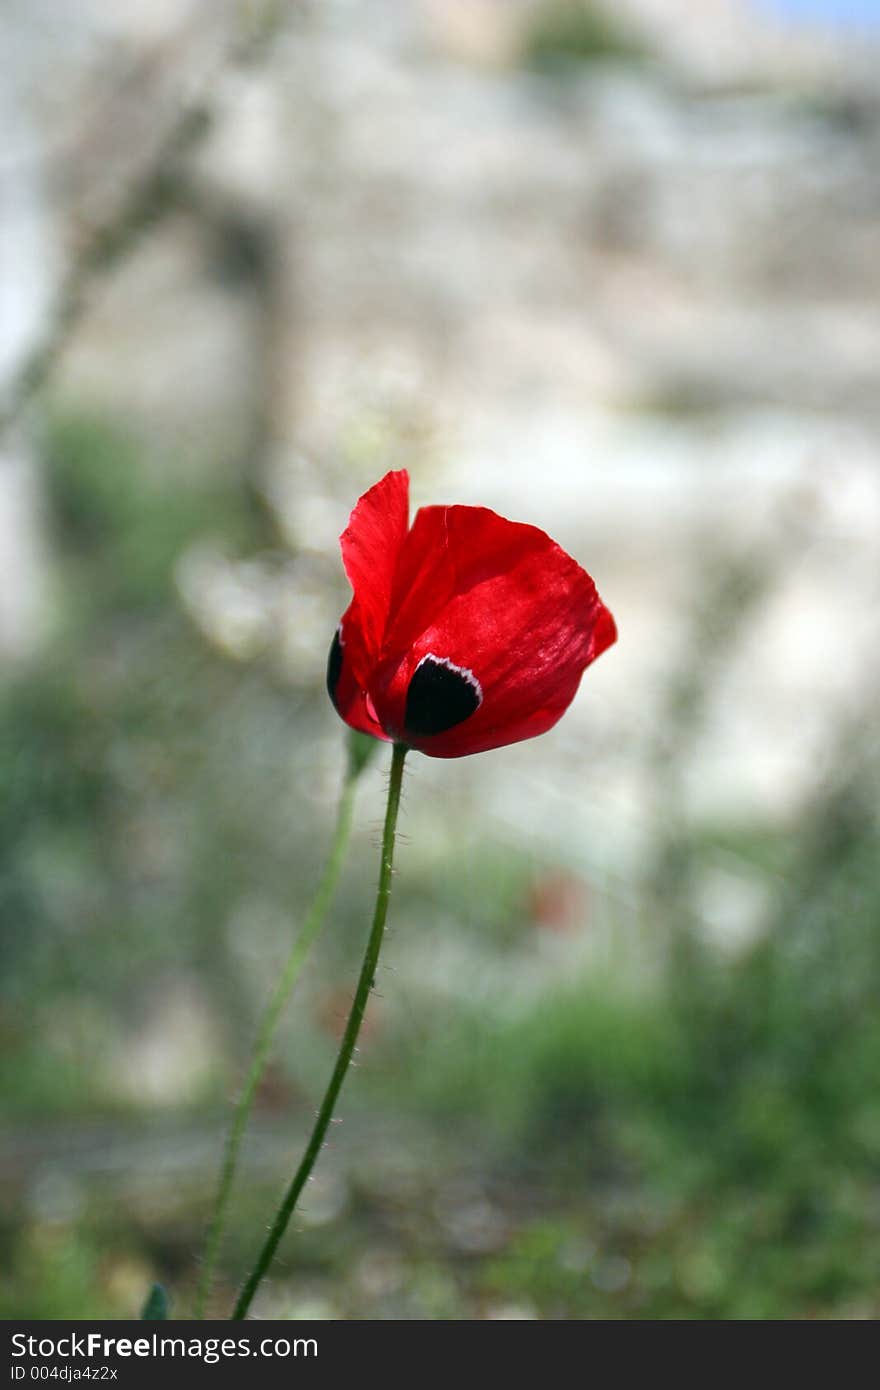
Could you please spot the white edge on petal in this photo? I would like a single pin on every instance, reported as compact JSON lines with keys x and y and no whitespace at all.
{"x":460,"y":670}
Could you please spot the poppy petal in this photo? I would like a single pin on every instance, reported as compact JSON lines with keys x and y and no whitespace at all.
{"x":501,"y":601}
{"x":448,"y":551}
{"x":371,"y":545}
{"x":345,"y":683}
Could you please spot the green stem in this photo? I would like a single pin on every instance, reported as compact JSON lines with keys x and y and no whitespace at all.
{"x":266,"y":1036}
{"x":347,"y":1047}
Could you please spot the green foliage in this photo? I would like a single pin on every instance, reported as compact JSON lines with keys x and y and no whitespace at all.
{"x":156,"y":1305}
{"x":120,"y":524}
{"x":142,"y":778}
{"x":716,"y":1136}
{"x":569,"y":32}
{"x":54,"y":1273}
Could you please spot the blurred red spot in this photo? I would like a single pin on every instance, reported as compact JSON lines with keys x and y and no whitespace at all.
{"x":276,"y":1092}
{"x":332,"y":1010}
{"x":558,"y":901}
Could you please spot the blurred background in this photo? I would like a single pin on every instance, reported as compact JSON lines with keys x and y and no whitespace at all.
{"x":613,"y":270}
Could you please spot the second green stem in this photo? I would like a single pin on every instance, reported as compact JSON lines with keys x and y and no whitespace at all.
{"x":347,"y":1046}
{"x":266,"y":1036}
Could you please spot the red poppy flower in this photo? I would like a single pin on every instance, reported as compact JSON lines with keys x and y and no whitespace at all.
{"x":466,"y":631}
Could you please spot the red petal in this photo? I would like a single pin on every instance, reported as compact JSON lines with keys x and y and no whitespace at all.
{"x":349,"y":695}
{"x":502,"y":600}
{"x":371,"y":544}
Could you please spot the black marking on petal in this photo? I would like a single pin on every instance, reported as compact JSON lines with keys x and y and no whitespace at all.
{"x":334,"y":666}
{"x":440,"y":695}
